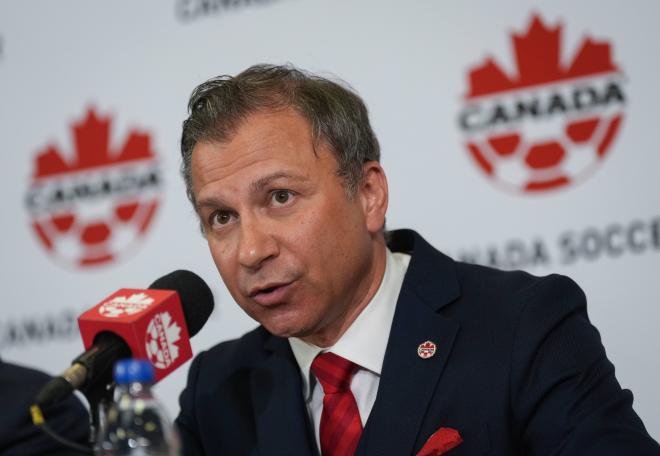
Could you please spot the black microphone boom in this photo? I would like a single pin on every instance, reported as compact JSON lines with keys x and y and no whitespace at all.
{"x":93,"y":368}
{"x":83,"y":372}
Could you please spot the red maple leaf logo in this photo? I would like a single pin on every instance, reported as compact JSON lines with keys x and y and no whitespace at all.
{"x":538,"y":61}
{"x":90,"y":218}
{"x":92,"y":146}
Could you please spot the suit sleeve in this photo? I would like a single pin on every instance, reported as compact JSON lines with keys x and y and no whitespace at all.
{"x":565,"y":397}
{"x":186,"y":422}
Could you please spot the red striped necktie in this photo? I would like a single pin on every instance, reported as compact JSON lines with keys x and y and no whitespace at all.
{"x":340,"y":419}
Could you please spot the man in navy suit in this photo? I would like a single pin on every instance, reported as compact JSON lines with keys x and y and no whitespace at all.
{"x":369,"y":343}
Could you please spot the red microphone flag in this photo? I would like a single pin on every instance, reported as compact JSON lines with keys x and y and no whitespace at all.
{"x":150,"y":321}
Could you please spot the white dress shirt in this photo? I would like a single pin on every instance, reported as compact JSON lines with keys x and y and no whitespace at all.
{"x":363,"y":343}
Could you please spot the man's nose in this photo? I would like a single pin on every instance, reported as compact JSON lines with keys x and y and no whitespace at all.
{"x":257,"y":244}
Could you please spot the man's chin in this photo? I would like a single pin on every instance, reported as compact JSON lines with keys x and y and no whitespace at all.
{"x":283,"y":326}
{"x":287,"y":321}
{"x":286,"y":328}
{"x":282,"y":330}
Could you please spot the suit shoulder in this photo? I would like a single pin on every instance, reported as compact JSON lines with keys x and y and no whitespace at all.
{"x":516,"y":289}
{"x":511,"y":282}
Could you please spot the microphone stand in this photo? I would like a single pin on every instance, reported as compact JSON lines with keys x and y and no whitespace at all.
{"x":91,"y":374}
{"x":99,"y":398}
{"x":99,"y":388}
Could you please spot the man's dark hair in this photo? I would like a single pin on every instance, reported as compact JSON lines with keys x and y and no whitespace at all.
{"x":336,"y":114}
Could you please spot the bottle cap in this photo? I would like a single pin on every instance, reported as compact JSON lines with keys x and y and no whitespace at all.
{"x":133,"y":370}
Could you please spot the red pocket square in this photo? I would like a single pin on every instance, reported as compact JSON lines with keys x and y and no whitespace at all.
{"x":441,"y":441}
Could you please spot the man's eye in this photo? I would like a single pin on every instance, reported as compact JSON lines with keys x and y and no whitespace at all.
{"x":220,"y":218}
{"x":281,"y":196}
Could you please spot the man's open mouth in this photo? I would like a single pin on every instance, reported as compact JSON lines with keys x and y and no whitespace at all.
{"x":271,"y":293}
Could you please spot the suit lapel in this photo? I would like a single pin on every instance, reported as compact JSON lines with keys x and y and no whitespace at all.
{"x":282,"y":426}
{"x":408,"y":382}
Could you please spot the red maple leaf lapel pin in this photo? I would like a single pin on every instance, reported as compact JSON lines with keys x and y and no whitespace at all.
{"x":441,"y":441}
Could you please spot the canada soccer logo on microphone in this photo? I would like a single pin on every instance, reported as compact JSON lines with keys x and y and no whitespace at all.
{"x":90,"y":205}
{"x":548,"y":122}
{"x":163,"y":333}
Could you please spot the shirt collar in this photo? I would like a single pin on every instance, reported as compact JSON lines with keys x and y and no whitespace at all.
{"x":365,"y":341}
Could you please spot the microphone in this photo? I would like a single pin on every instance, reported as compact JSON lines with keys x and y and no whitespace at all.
{"x":154,"y":324}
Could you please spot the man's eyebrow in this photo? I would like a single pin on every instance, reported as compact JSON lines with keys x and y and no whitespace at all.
{"x":256,"y":186}
{"x":262,"y":182}
{"x":211,"y":202}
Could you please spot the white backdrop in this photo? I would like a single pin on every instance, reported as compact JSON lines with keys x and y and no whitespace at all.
{"x":136,"y":63}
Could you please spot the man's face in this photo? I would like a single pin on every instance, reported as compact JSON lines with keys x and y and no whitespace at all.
{"x":295,"y":252}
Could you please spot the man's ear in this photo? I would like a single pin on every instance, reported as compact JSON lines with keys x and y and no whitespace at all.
{"x":373,"y":195}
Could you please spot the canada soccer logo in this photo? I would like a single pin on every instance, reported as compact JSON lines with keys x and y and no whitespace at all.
{"x":551,"y":121}
{"x":162,"y":335}
{"x":125,"y":305}
{"x":426,"y":349}
{"x":91,"y":205}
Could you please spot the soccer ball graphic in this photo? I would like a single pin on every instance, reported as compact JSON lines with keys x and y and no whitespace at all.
{"x":95,"y":236}
{"x":521,"y":162}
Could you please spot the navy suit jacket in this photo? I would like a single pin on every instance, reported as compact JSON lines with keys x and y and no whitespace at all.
{"x":18,"y":436}
{"x":519,"y":370}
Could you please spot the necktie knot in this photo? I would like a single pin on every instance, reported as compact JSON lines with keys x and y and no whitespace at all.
{"x":333,"y":372}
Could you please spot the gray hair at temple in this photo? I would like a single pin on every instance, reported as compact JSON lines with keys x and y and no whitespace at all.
{"x":336,"y":114}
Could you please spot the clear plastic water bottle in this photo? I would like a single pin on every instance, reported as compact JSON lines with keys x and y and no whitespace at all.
{"x":136,"y":424}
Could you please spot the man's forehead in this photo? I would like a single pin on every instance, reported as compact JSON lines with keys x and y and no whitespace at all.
{"x":257,"y":162}
{"x":215,"y":181}
{"x":267,"y":146}
{"x":284,"y":135}
{"x":263,"y":128}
